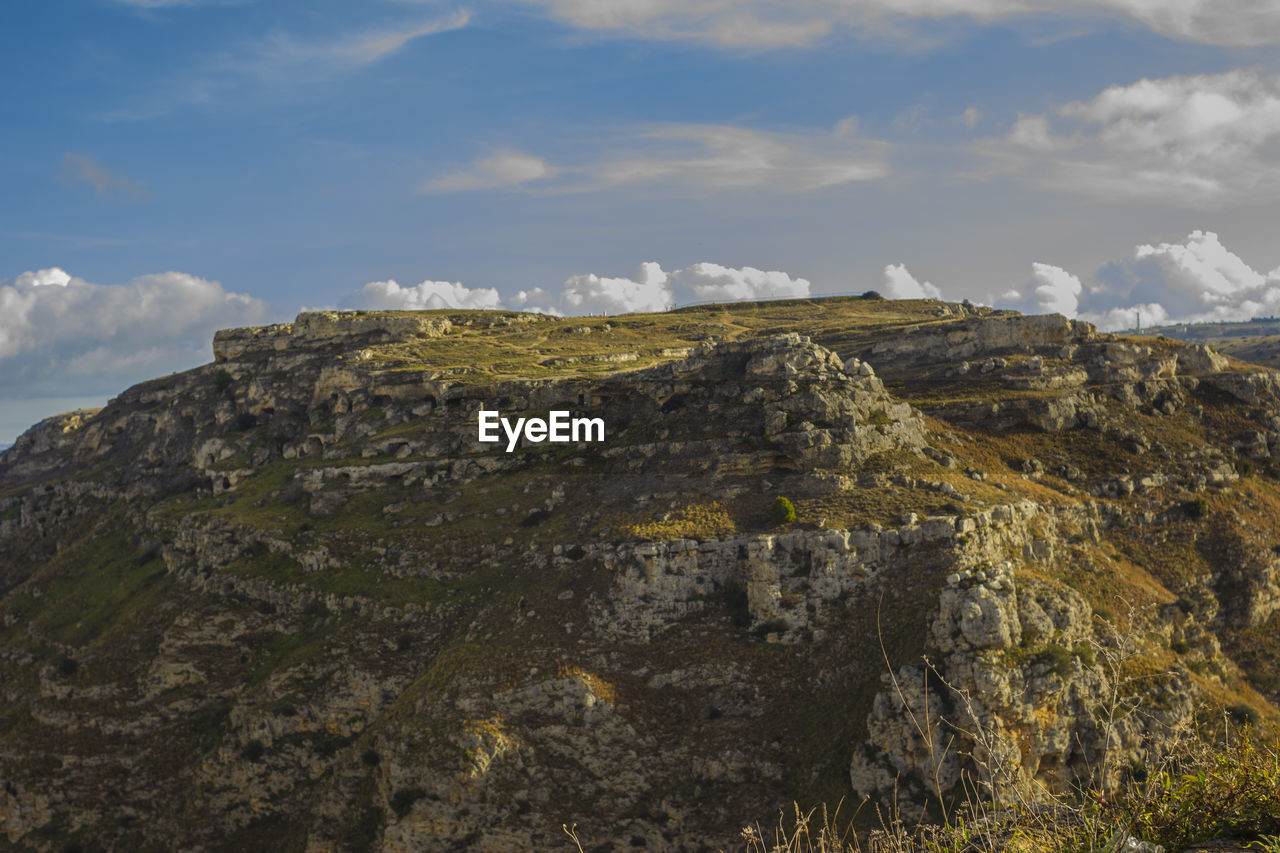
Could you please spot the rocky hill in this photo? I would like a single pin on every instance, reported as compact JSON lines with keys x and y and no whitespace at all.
{"x":289,"y":601}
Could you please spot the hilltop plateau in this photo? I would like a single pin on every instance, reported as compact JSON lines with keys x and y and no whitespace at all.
{"x":288,"y":601}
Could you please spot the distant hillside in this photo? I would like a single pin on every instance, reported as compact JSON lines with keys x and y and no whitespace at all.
{"x":1257,"y":341}
{"x":290,"y":600}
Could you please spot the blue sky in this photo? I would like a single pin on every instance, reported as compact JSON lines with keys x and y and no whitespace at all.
{"x":172,"y":167}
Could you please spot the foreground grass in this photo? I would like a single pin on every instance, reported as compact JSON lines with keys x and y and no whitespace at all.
{"x":1224,"y":795}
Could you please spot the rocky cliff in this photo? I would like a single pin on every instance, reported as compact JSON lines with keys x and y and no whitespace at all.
{"x":291,"y":601}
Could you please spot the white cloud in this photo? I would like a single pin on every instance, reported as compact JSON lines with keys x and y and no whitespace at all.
{"x":504,"y":169}
{"x":1033,"y":133}
{"x":769,"y":24}
{"x":1052,"y":290}
{"x":1146,"y":314}
{"x":277,"y":60}
{"x":653,"y":289}
{"x":901,"y":284}
{"x":649,"y":290}
{"x":285,"y":53}
{"x":524,"y":297}
{"x":1199,"y":280}
{"x":426,"y":295}
{"x":1185,"y":140}
{"x":714,"y":283}
{"x":531,"y":301}
{"x":725,"y":157}
{"x":688,"y":159}
{"x":63,"y":335}
{"x":539,"y":309}
{"x":52,"y":277}
{"x":81,"y":168}
{"x":723,"y":22}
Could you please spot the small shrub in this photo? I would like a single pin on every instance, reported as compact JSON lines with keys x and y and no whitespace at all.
{"x":1210,"y":792}
{"x":1180,"y":646}
{"x":871,"y":294}
{"x":1058,"y":659}
{"x":535,"y":518}
{"x":293,"y":493}
{"x":783,"y":511}
{"x":68,"y":667}
{"x":402,"y":800}
{"x":254,"y":750}
{"x":1187,"y":605}
{"x":371,"y":758}
{"x":1242,"y":714}
{"x":222,"y":380}
{"x":1196,"y":508}
{"x":769,"y":626}
{"x":1264,"y":679}
{"x":246,"y":421}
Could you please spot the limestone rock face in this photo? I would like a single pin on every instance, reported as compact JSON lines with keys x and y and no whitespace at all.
{"x":1022,"y":694}
{"x":977,"y":615}
{"x":960,"y":341}
{"x":320,"y":329}
{"x":290,"y":599}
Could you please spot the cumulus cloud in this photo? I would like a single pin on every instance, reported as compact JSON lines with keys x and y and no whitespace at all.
{"x":1198,"y":280}
{"x":653,"y":289}
{"x":534,"y":301}
{"x":899,"y":283}
{"x":528,"y":297}
{"x":1184,"y":139}
{"x":504,"y":169}
{"x":714,"y":283}
{"x":426,"y":295}
{"x":1052,"y":290}
{"x":61,"y":335}
{"x":81,"y":168}
{"x":768,"y":24}
{"x":648,"y":290}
